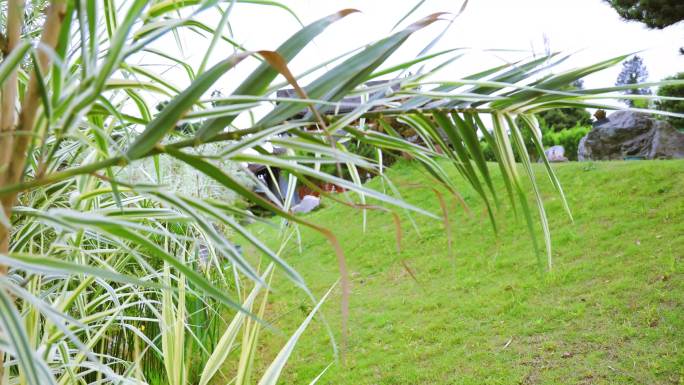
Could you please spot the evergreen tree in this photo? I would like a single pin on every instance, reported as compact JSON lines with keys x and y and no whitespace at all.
{"x":654,"y":13}
{"x":633,"y":72}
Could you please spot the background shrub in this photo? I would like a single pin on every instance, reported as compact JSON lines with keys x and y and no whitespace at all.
{"x":673,"y":105}
{"x":559,"y":119}
{"x":568,"y":138}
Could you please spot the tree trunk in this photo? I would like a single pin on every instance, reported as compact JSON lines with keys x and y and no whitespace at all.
{"x":8,"y":121}
{"x":13,"y":147}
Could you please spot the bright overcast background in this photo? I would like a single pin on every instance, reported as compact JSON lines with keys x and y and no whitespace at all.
{"x":590,"y":29}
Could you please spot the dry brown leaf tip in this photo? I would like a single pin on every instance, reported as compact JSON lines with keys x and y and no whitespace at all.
{"x":424,"y":22}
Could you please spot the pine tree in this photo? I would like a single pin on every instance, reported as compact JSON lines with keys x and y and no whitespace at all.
{"x":654,"y":13}
{"x":633,"y":72}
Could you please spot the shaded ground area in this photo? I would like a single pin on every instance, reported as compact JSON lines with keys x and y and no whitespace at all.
{"x":610,"y":312}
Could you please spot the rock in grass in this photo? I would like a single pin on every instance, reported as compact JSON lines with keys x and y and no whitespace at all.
{"x":626,"y":134}
{"x":308,"y":204}
{"x":556,"y":154}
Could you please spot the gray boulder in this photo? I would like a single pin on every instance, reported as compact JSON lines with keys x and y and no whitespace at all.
{"x":307,"y":205}
{"x":631,"y":134}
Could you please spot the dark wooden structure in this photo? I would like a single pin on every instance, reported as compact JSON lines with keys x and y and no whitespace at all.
{"x":346,"y":105}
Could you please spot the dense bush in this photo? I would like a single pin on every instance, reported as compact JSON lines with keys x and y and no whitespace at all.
{"x":368,"y":152}
{"x":569,"y":139}
{"x":559,"y":119}
{"x":673,"y":105}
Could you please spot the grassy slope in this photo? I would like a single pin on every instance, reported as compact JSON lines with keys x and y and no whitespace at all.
{"x":611,"y":312}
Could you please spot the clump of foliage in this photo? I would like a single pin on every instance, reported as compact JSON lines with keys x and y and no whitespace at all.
{"x":182,"y":178}
{"x":633,"y":72}
{"x":568,"y":138}
{"x":381,"y":158}
{"x":560,"y":119}
{"x":677,"y":106}
{"x":654,"y":13}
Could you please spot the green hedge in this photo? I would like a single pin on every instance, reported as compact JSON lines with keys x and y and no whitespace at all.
{"x":568,"y":138}
{"x":673,"y":105}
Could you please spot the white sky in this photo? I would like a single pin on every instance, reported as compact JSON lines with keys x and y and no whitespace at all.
{"x":589,"y":27}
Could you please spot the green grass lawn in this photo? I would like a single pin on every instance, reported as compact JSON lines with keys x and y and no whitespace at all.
{"x":610,"y":312}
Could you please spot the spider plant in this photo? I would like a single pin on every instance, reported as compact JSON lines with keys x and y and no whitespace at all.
{"x":112,"y":273}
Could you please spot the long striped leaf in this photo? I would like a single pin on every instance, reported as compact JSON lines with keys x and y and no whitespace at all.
{"x":178,"y":107}
{"x":32,"y":367}
{"x":122,"y":230}
{"x":48,"y":265}
{"x":272,"y":374}
{"x":261,"y":78}
{"x":13,"y":60}
{"x":337,"y":82}
{"x":227,"y":340}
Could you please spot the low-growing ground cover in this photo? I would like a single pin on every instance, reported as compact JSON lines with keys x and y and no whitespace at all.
{"x":610,"y":312}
